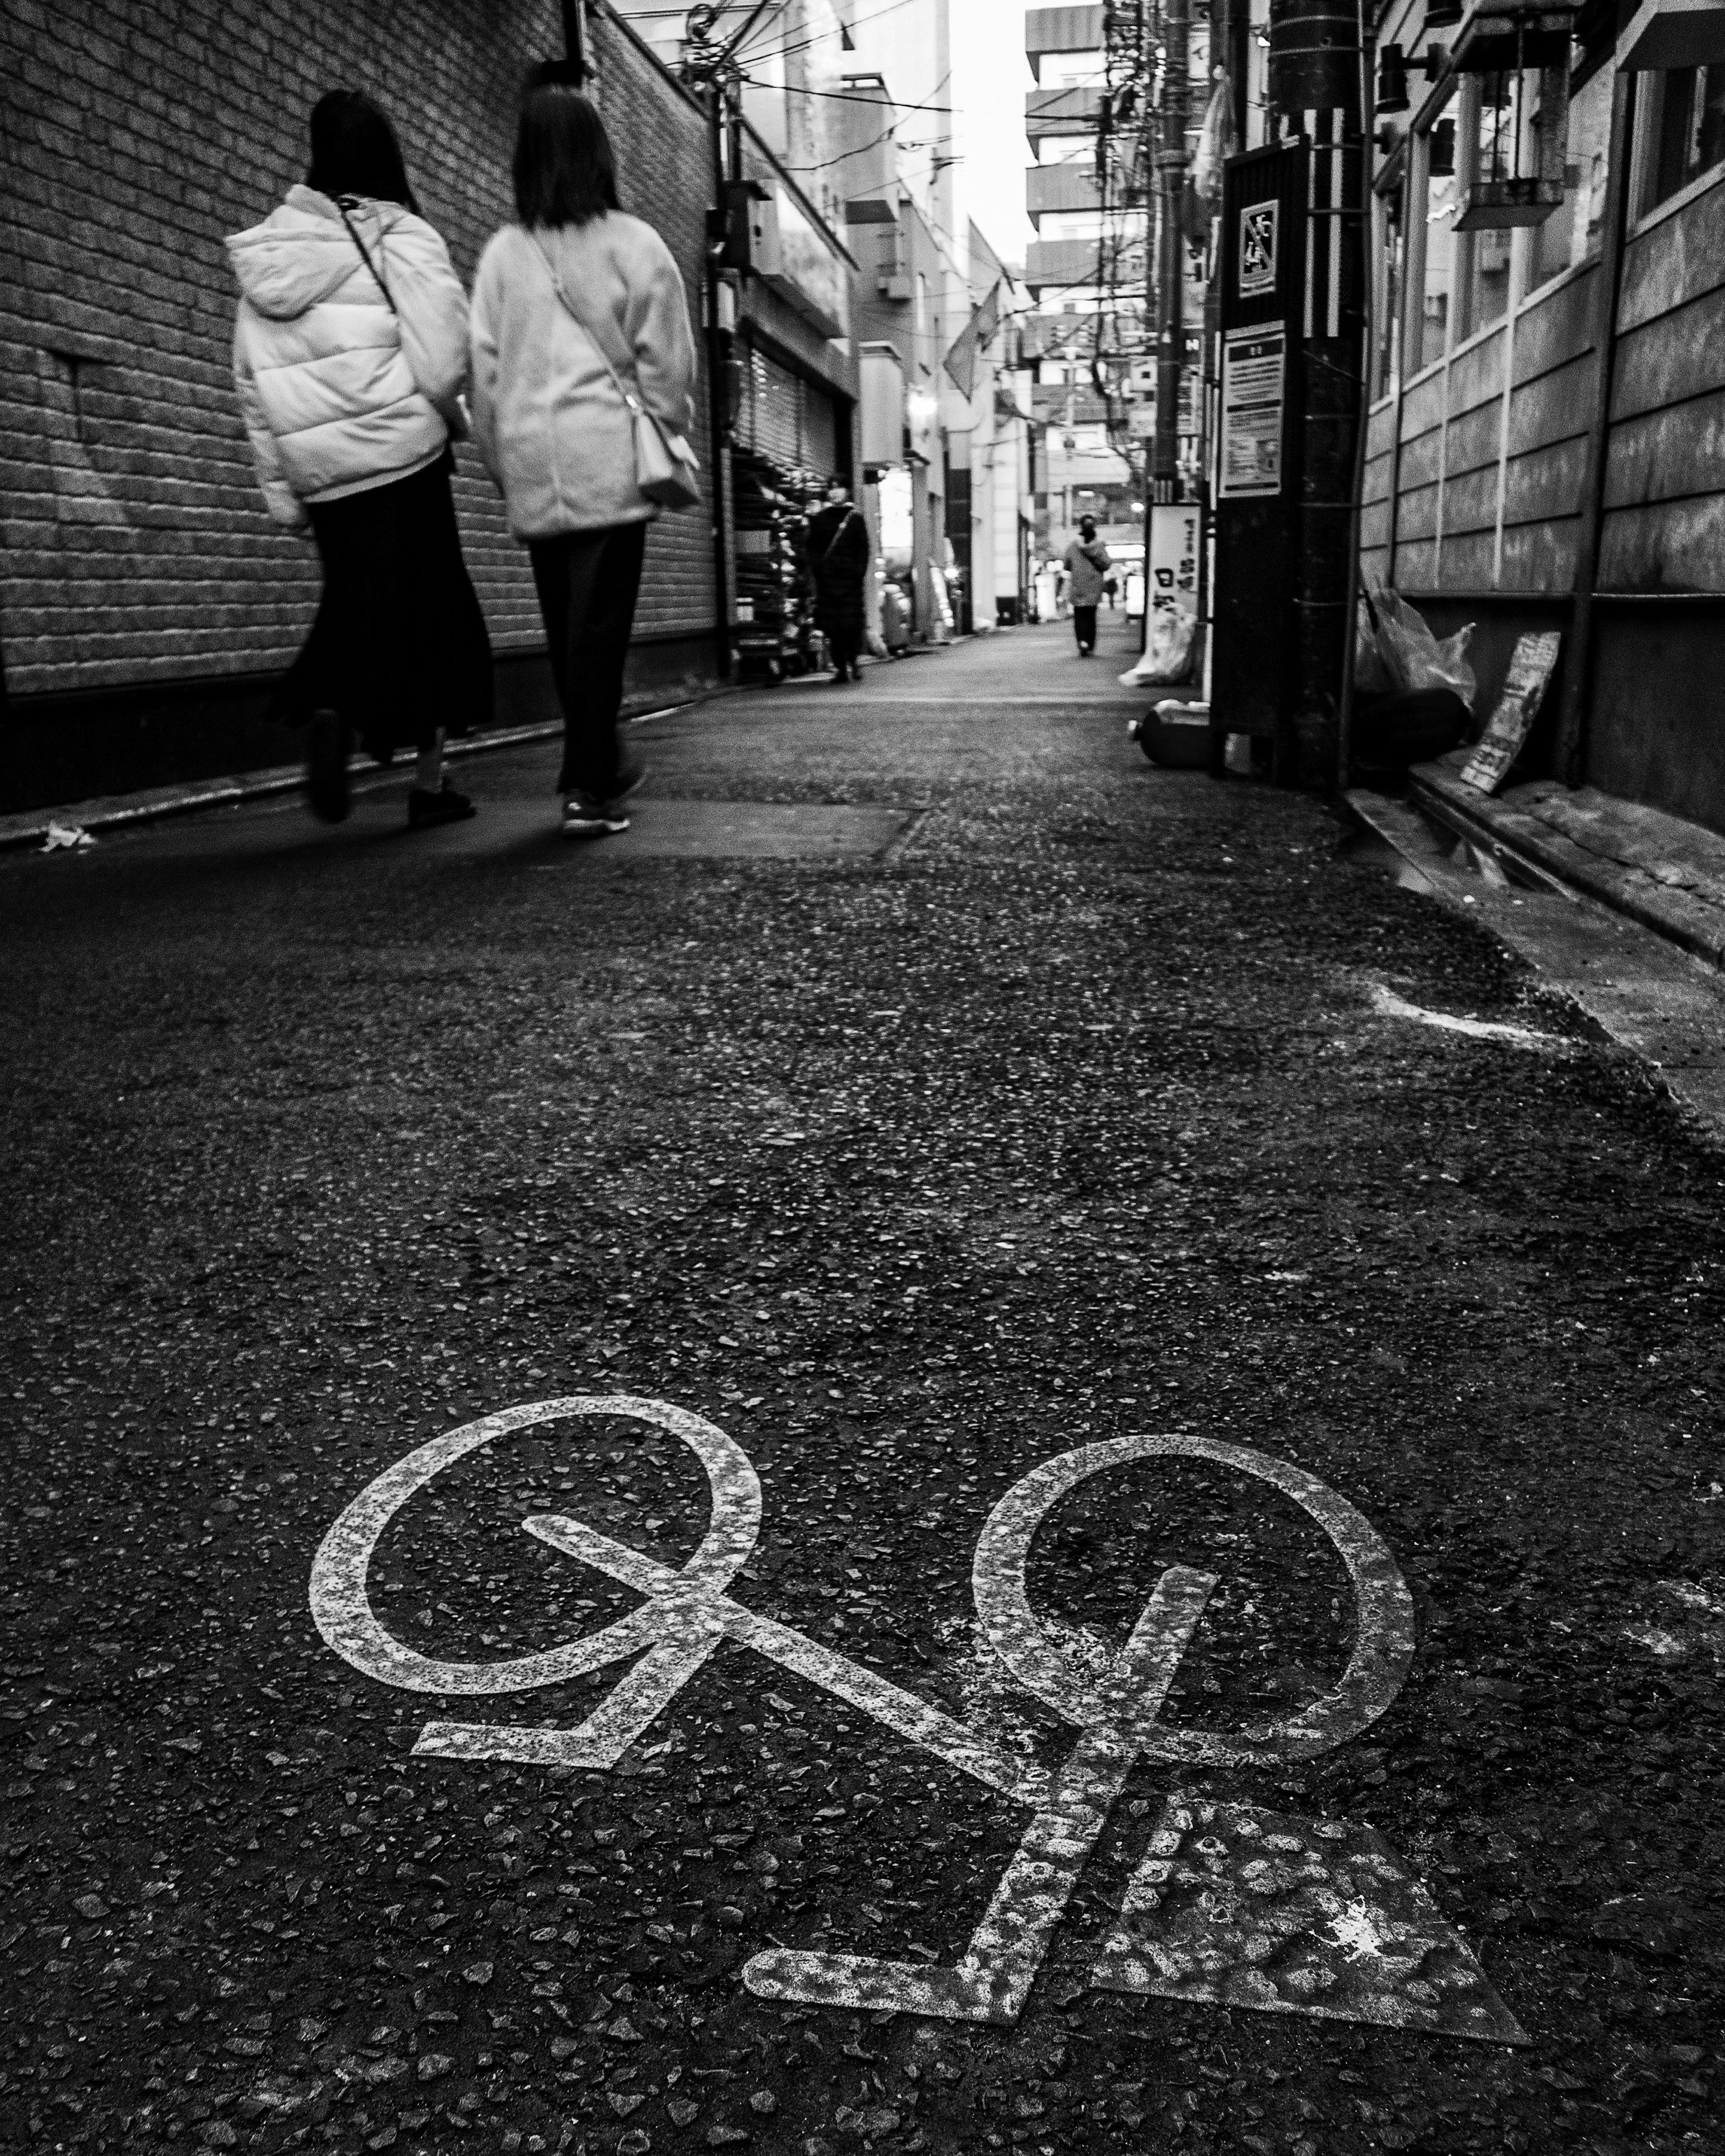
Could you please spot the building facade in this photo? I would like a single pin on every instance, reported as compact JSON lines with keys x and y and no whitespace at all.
{"x":1088,"y":341}
{"x":1547,"y":443}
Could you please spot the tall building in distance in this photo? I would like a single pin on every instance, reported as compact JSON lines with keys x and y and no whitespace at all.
{"x":853,"y":104}
{"x":1088,"y":340}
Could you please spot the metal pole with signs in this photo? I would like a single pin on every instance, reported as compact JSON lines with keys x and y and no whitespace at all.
{"x":1257,"y":459}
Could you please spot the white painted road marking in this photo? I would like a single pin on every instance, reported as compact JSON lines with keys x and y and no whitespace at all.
{"x":1119,"y":1718}
{"x":992,"y":1978}
{"x":687,"y":1614}
{"x":1384,"y":1624}
{"x":1388,"y":1004}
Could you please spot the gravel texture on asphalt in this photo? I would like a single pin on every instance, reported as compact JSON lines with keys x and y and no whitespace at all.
{"x":1082,"y":1112}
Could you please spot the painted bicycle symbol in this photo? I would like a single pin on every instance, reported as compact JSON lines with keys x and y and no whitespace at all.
{"x":686,"y":1614}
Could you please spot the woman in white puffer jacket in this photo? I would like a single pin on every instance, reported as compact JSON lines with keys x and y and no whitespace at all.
{"x":350,"y":354}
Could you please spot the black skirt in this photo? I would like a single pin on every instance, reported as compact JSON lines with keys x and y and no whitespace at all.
{"x":399,"y":645}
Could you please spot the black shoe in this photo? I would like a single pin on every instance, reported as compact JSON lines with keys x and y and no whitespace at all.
{"x":326,"y":768}
{"x":446,"y":806}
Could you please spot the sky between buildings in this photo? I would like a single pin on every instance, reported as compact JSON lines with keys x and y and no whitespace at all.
{"x":990,"y":76}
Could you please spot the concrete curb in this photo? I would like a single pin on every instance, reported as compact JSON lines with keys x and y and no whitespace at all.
{"x":110,"y":812}
{"x":1652,"y":999}
{"x":1499,"y":827}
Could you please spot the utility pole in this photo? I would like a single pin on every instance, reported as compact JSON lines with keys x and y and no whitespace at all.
{"x":1314,"y":93}
{"x":574,"y":13}
{"x":1171,"y":248}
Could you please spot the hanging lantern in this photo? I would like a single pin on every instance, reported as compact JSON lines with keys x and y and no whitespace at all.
{"x":1497,"y":35}
{"x":1515,"y":175}
{"x":1392,"y":79}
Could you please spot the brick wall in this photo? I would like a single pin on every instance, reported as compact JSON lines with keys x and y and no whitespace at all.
{"x":138,"y":132}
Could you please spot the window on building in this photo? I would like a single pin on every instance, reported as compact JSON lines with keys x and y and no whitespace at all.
{"x":1440,"y":250}
{"x":1573,"y":233}
{"x":1387,"y":300}
{"x":1686,"y":130}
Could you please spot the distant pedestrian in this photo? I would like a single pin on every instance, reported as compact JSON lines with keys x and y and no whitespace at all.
{"x":838,"y":561}
{"x":1087,"y":562}
{"x":570,"y":304}
{"x":350,"y":353}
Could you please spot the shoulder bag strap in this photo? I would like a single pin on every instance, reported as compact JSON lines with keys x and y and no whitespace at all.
{"x":628,"y":396}
{"x":341,"y":203}
{"x":844,"y":524}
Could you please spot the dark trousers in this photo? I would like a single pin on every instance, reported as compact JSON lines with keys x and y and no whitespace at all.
{"x":844,"y":644}
{"x":1084,"y":627}
{"x":587,"y":584}
{"x":400,"y":646}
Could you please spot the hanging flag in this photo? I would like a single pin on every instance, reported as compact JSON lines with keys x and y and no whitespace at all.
{"x":972,"y":340}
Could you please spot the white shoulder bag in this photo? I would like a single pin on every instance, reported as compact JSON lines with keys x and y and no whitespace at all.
{"x":667,"y":472}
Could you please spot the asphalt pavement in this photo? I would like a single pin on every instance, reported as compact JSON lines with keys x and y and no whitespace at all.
{"x":1111,"y":1533}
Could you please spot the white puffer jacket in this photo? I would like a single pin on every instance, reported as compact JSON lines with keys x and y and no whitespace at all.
{"x":341,"y":391}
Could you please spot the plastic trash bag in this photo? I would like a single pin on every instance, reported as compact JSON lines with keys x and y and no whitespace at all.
{"x":1167,"y":656}
{"x":1397,"y":652}
{"x":71,"y":838}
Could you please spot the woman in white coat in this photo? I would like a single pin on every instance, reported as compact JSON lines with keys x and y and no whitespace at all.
{"x":349,"y":354}
{"x":573,"y":299}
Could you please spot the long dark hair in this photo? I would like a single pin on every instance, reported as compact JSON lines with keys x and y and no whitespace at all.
{"x":354,"y":151}
{"x":565,"y":169}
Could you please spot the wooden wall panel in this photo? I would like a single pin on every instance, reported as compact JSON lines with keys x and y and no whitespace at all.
{"x":1474,"y":438}
{"x":1476,"y":374}
{"x":1468,"y":560}
{"x":1423,"y":406}
{"x":1417,"y":519}
{"x":1554,"y":408}
{"x":1374,"y":524}
{"x":1662,"y":456}
{"x":1545,"y":482}
{"x":1657,"y":725}
{"x":1415,"y":564}
{"x":1676,"y":261}
{"x":1664,"y":546}
{"x":1541,"y":556}
{"x":1421,"y":460}
{"x":1470,"y":505}
{"x":1555,"y":329}
{"x":1682,"y":355}
{"x":1380,"y":429}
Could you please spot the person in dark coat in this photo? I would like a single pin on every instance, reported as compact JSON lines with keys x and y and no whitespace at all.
{"x":838,"y":561}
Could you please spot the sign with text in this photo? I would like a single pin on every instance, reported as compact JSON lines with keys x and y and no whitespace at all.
{"x":1254,"y":392}
{"x":1174,"y":542}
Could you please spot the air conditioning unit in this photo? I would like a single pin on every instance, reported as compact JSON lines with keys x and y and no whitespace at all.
{"x":893,"y":284}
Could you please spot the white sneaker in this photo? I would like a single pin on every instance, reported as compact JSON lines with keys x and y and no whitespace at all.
{"x":584,"y":817}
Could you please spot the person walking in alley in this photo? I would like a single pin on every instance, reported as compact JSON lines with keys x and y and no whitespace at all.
{"x":838,"y":562}
{"x":577,"y":309}
{"x":1087,"y":562}
{"x":350,"y":353}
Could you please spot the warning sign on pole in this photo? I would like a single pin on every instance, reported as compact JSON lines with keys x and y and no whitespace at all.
{"x":1254,"y":389}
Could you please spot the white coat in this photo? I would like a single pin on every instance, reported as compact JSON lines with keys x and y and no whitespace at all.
{"x":547,"y":417}
{"x":340,"y":391}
